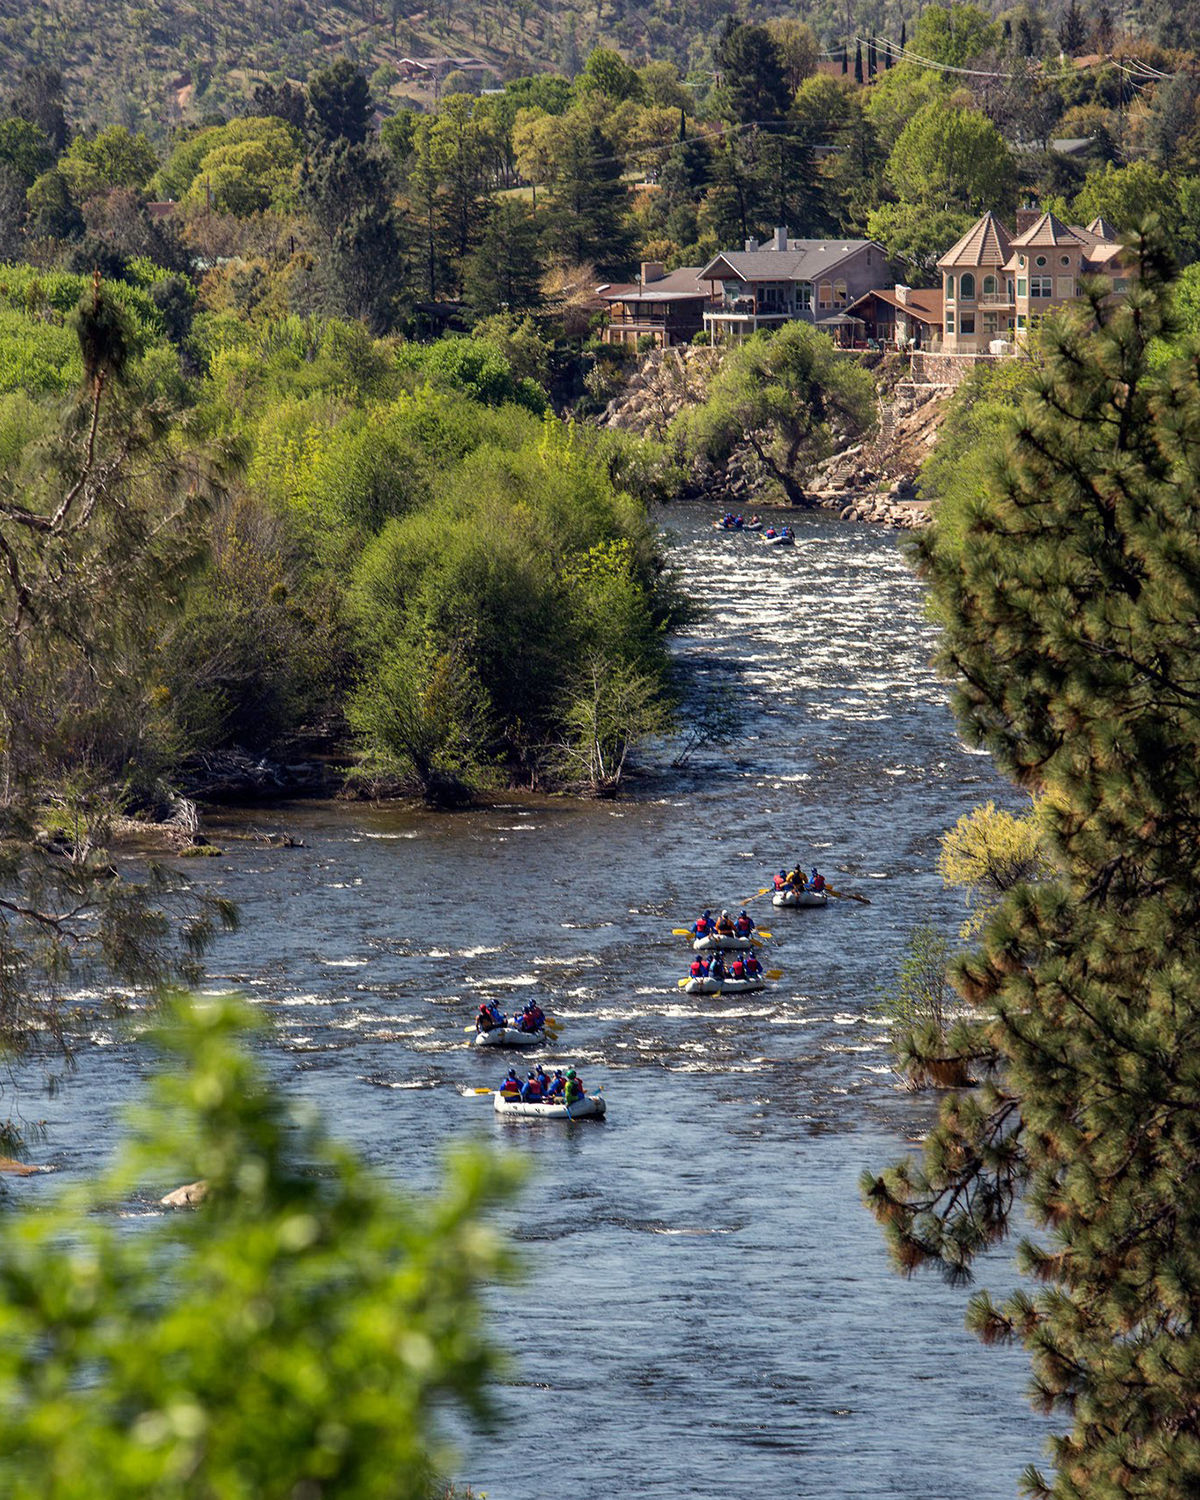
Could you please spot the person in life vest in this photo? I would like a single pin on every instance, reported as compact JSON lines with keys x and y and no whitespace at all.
{"x":702,"y":926}
{"x":751,"y":965}
{"x":770,"y":531}
{"x":574,"y":1091}
{"x":557,"y":1085}
{"x":725,"y":924}
{"x":739,"y":968}
{"x":543,"y":1080}
{"x":744,"y":925}
{"x":511,"y":1087}
{"x":699,"y":968}
{"x":533,"y":1017}
{"x":781,"y":881}
{"x":798,"y":879}
{"x":531,"y":1089}
{"x":489,"y":1017}
{"x":716,"y":970}
{"x":816,"y":880}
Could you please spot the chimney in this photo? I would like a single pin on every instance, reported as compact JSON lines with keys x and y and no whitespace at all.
{"x":1027,"y":218}
{"x":652,"y":270}
{"x":781,"y":237}
{"x":751,"y":246}
{"x":902,"y":294}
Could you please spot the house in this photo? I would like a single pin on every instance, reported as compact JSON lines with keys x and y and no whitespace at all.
{"x":905,"y":317}
{"x":785,"y":280}
{"x":424,"y":69}
{"x":665,"y":306}
{"x":995,"y":284}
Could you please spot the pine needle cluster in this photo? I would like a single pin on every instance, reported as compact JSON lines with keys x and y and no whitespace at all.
{"x":1071,"y":605}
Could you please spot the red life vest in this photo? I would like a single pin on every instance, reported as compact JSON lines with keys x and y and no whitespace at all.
{"x":743,"y":926}
{"x":739,"y":969}
{"x":697,"y":968}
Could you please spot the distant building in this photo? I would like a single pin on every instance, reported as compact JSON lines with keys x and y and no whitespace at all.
{"x":433,"y":69}
{"x":787,"y":280}
{"x":905,"y":317}
{"x":996,"y":284}
{"x":665,"y":306}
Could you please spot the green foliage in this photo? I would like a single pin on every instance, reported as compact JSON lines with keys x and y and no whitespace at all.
{"x":1127,"y":196}
{"x":954,"y":35}
{"x":917,"y":236}
{"x":780,"y":393}
{"x":947,"y":157}
{"x":990,"y":852}
{"x":971,"y":441}
{"x":1069,"y":605}
{"x":303,"y":1330}
{"x":920,"y":1004}
{"x":114,"y":158}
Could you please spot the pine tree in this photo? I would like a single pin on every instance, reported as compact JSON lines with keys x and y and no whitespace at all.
{"x":871,"y":58}
{"x":1069,"y":603}
{"x":858,"y":63}
{"x":903,"y":35}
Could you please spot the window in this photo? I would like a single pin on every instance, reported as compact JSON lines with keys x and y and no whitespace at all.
{"x":967,"y":289}
{"x":949,"y":288}
{"x":1020,"y":320}
{"x":839,"y":294}
{"x":1066,"y":286}
{"x":1064,"y":260}
{"x":1021,"y":284}
{"x":804,"y":296}
{"x":825,"y":295}
{"x":1010,"y":288}
{"x":1041,"y":286}
{"x":989,"y":325}
{"x":1021,"y":261}
{"x":967,"y":323}
{"x":989,"y":286}
{"x":1041,"y":261}
{"x":949,"y":322}
{"x":1120,"y":283}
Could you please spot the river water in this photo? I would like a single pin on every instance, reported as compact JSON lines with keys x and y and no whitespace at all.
{"x":710,"y":1310}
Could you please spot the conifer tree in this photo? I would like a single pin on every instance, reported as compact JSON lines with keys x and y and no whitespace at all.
{"x":1069,"y":601}
{"x":858,"y":63}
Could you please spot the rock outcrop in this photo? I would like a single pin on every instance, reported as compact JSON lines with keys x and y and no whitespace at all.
{"x":872,"y":480}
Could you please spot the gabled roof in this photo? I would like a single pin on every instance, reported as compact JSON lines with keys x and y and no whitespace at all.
{"x":803,"y":260}
{"x":986,"y":243}
{"x":1046,"y":231}
{"x":922,"y":303}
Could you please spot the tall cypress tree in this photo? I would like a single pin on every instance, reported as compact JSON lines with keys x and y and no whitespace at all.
{"x":858,"y":67}
{"x":1070,"y":599}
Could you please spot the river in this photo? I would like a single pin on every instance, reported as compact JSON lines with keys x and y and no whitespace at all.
{"x":710,"y":1310}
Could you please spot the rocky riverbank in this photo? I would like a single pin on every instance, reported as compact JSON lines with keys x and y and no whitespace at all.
{"x":871,"y":480}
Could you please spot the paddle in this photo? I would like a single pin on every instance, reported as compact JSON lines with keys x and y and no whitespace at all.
{"x":687,"y":932}
{"x":550,"y":1028}
{"x":470,"y":1093}
{"x":849,"y":895}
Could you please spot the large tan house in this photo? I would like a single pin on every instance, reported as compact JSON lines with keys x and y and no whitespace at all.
{"x":995,"y":284}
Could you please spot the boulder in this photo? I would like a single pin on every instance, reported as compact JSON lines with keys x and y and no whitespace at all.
{"x":187,"y":1196}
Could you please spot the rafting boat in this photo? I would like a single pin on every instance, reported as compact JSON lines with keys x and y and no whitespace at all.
{"x":591,"y":1107}
{"x":800,"y":898}
{"x":508,"y":1036}
{"x":721,"y":941}
{"x":780,"y":540}
{"x":723,"y":986}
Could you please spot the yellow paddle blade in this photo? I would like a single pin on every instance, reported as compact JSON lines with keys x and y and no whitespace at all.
{"x":683,"y":982}
{"x":470,"y":1093}
{"x":774,"y":973}
{"x":682,"y":932}
{"x":763,"y":933}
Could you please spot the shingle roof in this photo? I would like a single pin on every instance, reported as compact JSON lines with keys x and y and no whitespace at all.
{"x":685,"y":282}
{"x":986,"y":243}
{"x":803,"y":260}
{"x":923,"y":303}
{"x":1046,"y":231}
{"x":1102,"y":229}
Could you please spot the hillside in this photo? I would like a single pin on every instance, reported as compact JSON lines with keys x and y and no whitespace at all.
{"x":152,"y":67}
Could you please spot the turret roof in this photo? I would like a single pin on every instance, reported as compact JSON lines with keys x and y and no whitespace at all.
{"x":986,"y":243}
{"x":1045,"y":231}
